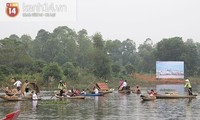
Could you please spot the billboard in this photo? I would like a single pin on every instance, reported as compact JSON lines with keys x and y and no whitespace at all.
{"x":170,"y":69}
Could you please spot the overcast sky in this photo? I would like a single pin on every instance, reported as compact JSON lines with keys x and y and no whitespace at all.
{"x":122,"y":19}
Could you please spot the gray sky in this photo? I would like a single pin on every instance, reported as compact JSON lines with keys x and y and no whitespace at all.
{"x":122,"y":19}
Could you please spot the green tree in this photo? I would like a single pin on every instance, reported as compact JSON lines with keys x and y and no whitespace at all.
{"x":170,"y":49}
{"x":85,"y":49}
{"x":128,"y":51}
{"x":70,"y":71}
{"x":52,"y":70}
{"x":146,"y":57}
{"x":190,"y":57}
{"x":129,"y":69}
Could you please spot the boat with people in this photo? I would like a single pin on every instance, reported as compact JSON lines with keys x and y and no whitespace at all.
{"x":23,"y":94}
{"x":123,"y":87}
{"x":69,"y":97}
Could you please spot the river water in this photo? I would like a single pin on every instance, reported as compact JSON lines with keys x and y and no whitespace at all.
{"x":113,"y":106}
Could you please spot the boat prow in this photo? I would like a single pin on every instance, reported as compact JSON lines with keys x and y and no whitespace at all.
{"x":12,"y":116}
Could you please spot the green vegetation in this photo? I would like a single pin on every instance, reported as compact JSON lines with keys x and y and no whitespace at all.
{"x":79,"y":59}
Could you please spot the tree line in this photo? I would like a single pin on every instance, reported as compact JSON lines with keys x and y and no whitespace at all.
{"x":67,"y":54}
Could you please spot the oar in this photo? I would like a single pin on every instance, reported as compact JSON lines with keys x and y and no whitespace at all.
{"x":190,"y":91}
{"x":52,"y":96}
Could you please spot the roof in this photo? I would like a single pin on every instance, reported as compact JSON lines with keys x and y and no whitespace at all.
{"x":102,"y":86}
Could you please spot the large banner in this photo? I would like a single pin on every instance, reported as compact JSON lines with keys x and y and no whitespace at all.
{"x":170,"y":69}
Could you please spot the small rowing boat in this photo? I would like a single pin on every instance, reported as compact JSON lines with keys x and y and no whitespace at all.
{"x":92,"y":94}
{"x":174,"y":96}
{"x":148,"y":98}
{"x":12,"y":98}
{"x":72,"y":97}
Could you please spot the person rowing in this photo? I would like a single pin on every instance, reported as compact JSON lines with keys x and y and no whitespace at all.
{"x":188,"y":86}
{"x":152,"y":92}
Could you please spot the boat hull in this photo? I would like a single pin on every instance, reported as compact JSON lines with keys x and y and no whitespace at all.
{"x":73,"y":97}
{"x":148,"y":98}
{"x":124,"y":91}
{"x":91,"y":94}
{"x":12,"y":98}
{"x":175,"y":96}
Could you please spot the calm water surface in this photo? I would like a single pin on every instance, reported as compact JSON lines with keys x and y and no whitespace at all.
{"x":113,"y":106}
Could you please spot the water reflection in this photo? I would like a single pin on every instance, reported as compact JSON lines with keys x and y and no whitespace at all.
{"x":114,"y":106}
{"x":34,"y":105}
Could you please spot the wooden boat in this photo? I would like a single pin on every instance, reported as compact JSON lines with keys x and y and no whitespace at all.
{"x":72,"y":97}
{"x":11,"y":98}
{"x":12,"y":116}
{"x":137,"y":92}
{"x":174,"y":96}
{"x":148,"y":98}
{"x":92,"y":94}
{"x":124,"y":91}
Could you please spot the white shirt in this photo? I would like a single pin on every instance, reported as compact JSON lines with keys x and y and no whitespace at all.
{"x":124,"y":84}
{"x":18,"y":83}
{"x":34,"y":97}
{"x":96,"y":91}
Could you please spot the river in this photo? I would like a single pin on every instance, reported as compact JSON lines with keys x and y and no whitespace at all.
{"x":113,"y":106}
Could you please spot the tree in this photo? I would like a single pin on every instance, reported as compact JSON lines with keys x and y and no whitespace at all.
{"x":146,"y":57}
{"x":128,"y":51}
{"x":70,"y":71}
{"x":85,"y":49}
{"x":52,"y":70}
{"x":129,"y":69}
{"x":190,"y":57}
{"x":98,"y":41}
{"x":170,"y":49}
{"x":116,"y":69}
{"x":114,"y":50}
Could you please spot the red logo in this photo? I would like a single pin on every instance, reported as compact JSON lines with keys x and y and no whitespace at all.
{"x":12,"y":9}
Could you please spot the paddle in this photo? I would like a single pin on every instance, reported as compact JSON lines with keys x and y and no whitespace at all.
{"x":189,"y":91}
{"x":52,"y":96}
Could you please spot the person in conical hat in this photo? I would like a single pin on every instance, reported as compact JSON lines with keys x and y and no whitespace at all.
{"x":188,"y":87}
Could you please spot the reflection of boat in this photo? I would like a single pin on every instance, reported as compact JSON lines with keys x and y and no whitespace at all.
{"x":92,"y":94}
{"x":125,"y":91}
{"x":72,"y":97}
{"x":174,"y":96}
{"x":148,"y":98}
{"x":12,"y":116}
